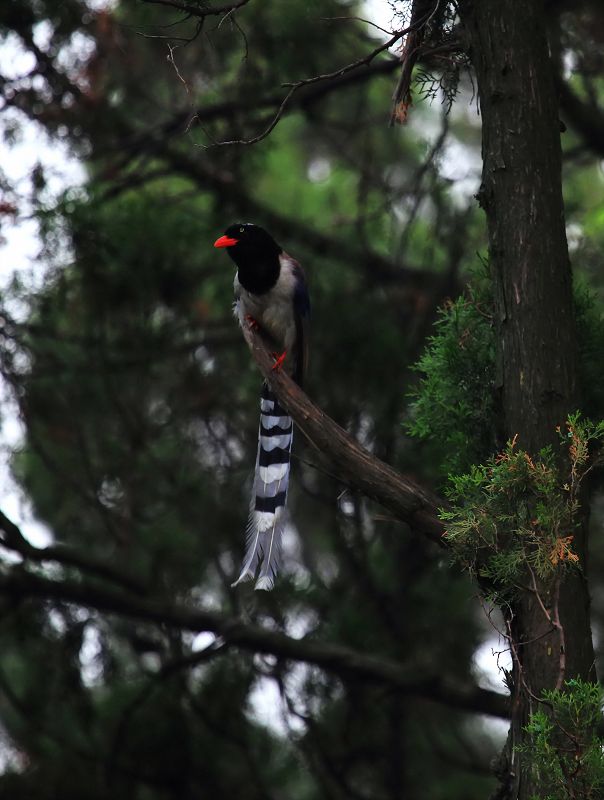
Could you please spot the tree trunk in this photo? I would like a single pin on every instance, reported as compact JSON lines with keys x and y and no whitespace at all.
{"x":521,"y":194}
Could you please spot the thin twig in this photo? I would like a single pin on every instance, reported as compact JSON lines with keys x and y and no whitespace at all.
{"x":358,"y":19}
{"x":196,"y":11}
{"x":294,"y":87}
{"x":554,"y":621}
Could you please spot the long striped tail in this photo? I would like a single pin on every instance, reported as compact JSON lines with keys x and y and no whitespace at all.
{"x":269,"y":494}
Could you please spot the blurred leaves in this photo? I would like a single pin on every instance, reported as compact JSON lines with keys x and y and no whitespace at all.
{"x":140,"y":404}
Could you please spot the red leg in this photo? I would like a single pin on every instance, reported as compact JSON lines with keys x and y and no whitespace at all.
{"x":252,"y":322}
{"x":279,"y":359}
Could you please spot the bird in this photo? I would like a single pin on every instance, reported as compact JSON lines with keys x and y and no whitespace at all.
{"x":271,"y":295}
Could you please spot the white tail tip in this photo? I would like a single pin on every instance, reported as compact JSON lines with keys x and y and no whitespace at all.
{"x":243,"y":578}
{"x":264,"y":584}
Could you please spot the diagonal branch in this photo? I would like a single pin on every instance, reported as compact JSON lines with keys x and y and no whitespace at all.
{"x":345,"y":662}
{"x":351,"y":462}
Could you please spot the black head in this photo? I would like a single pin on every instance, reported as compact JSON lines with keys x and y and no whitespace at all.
{"x":256,"y":254}
{"x":246,"y":240}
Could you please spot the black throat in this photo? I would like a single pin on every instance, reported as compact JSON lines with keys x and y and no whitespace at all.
{"x":257,"y":273}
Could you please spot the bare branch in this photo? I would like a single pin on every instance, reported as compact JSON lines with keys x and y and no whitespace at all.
{"x":13,"y":539}
{"x":358,"y":19}
{"x":197,"y":11}
{"x":353,"y":464}
{"x":342,"y":661}
{"x":182,"y":121}
{"x":365,"y":61}
{"x":271,"y":126}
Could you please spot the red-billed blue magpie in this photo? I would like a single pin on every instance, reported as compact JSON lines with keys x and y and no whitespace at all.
{"x":271,"y":293}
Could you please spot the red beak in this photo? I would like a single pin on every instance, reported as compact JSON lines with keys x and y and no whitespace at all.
{"x":225,"y":241}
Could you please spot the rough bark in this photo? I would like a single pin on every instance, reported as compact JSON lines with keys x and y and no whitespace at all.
{"x":522,"y":196}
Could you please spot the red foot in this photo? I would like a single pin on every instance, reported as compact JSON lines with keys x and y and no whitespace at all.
{"x":252,"y":322}
{"x":279,"y":359}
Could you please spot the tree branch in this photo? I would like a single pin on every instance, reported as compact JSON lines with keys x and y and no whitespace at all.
{"x":295,"y":86}
{"x":14,"y":540}
{"x":353,"y":464}
{"x":304,"y":99}
{"x":198,"y":11}
{"x":418,"y":23}
{"x":343,"y":661}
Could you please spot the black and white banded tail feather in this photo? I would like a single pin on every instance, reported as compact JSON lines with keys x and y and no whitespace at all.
{"x":269,"y":494}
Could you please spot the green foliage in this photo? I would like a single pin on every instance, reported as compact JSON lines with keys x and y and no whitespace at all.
{"x":453,"y":404}
{"x":141,"y":408}
{"x":565,"y":751}
{"x":589,"y":312}
{"x":519,"y":512}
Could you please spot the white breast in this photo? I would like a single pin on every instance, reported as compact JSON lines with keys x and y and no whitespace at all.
{"x":273,"y":310}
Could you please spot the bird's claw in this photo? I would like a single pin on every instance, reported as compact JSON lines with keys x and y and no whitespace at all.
{"x":279,"y":359}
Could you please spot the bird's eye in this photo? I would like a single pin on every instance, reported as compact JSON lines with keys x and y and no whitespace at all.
{"x":241,"y":230}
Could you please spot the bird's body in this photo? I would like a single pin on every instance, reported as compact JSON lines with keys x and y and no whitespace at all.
{"x":270,"y":292}
{"x":275,"y":312}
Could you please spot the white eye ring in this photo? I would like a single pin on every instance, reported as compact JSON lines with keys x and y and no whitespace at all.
{"x":241,"y":230}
